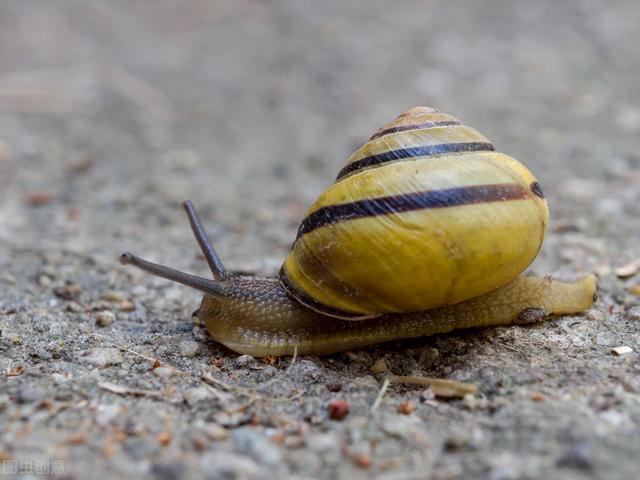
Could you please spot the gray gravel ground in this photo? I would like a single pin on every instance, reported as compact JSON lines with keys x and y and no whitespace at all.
{"x":112,"y":113}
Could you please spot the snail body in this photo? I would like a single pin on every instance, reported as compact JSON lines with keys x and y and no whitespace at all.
{"x":425,"y":231}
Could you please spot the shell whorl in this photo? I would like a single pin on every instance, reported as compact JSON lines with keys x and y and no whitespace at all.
{"x":424,"y":214}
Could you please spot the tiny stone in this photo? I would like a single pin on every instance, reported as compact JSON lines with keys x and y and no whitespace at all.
{"x":244,"y":361}
{"x":267,"y":372}
{"x":304,"y":370}
{"x":189,"y":348}
{"x":338,"y":409}
{"x":105,"y":318}
{"x":595,"y":315}
{"x":379,"y":366}
{"x":214,"y":431}
{"x":168,"y":471}
{"x":429,"y":356}
{"x":127,"y":306}
{"x":457,"y":441}
{"x":32,"y":394}
{"x":252,"y":443}
{"x":228,"y":465}
{"x":112,"y":297}
{"x":103,"y":357}
{"x":164,"y":372}
{"x":633,"y":314}
{"x":68,"y":292}
{"x":622,"y":350}
{"x":578,"y":456}
{"x":405,"y":408}
{"x":195,"y":395}
{"x":397,"y":426}
{"x":106,"y":413}
{"x":323,"y":442}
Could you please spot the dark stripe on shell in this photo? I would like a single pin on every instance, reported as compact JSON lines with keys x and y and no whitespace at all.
{"x":536,"y":188}
{"x":313,"y":304}
{"x":449,"y":197}
{"x":415,"y":126}
{"x":420,"y":151}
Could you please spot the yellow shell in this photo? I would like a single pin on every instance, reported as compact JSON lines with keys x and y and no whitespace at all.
{"x":425,"y":214}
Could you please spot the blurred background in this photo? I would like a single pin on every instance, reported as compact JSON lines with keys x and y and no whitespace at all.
{"x":111,"y":113}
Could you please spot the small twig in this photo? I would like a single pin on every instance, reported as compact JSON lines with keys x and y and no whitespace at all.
{"x":381,"y":393}
{"x":153,"y":360}
{"x":295,"y":355}
{"x":441,"y":386}
{"x":113,"y":388}
{"x":247,"y":392}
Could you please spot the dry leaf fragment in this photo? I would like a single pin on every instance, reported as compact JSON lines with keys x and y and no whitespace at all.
{"x":76,"y":438}
{"x":113,"y":388}
{"x":14,"y":372}
{"x":440,"y":386}
{"x":622,"y":350}
{"x":628,"y":269}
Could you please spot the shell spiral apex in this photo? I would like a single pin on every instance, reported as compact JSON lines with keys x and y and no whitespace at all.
{"x":425,"y":214}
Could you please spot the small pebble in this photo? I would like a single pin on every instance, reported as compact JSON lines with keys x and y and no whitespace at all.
{"x":379,"y":366}
{"x":103,"y":356}
{"x":195,"y":395}
{"x":164,"y":372}
{"x":32,"y":394}
{"x":338,"y":409}
{"x":622,"y":350}
{"x":189,"y":348}
{"x":105,"y":318}
{"x":429,"y":357}
{"x":111,"y":296}
{"x":578,"y":457}
{"x":265,"y":373}
{"x":323,"y":442}
{"x":229,"y":465}
{"x":68,"y":292}
{"x":595,"y":315}
{"x":168,"y":470}
{"x":633,"y":314}
{"x":305,"y":371}
{"x":405,"y":408}
{"x":38,"y":199}
{"x":106,"y":413}
{"x":362,"y":460}
{"x":127,"y":306}
{"x":244,"y":361}
{"x":255,"y":445}
{"x":214,"y":431}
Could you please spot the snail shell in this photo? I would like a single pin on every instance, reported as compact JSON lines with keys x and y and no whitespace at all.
{"x":425,"y":214}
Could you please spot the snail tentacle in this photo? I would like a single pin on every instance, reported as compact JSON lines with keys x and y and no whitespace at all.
{"x":215,"y":264}
{"x":214,"y":288}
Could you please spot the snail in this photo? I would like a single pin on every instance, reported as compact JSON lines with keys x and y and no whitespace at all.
{"x":426,"y":229}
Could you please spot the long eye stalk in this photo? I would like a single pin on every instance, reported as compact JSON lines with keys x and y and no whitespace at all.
{"x":205,"y":285}
{"x":212,"y":287}
{"x":215,"y":264}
